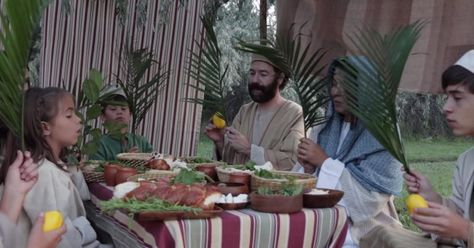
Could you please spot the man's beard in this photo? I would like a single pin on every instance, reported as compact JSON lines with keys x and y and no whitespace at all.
{"x":265,"y":93}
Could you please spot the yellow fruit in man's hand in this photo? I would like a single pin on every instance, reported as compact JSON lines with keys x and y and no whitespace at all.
{"x":415,"y":201}
{"x":218,"y":120}
{"x":52,"y":221}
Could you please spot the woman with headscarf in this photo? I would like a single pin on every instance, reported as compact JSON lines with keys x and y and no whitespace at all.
{"x":345,"y":156}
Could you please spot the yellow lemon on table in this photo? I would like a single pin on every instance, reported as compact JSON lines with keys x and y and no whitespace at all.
{"x":415,"y":201}
{"x":52,"y":221}
{"x":218,"y":120}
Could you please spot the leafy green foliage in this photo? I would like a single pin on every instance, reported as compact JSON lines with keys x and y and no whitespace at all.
{"x":136,"y":206}
{"x":249,"y":165}
{"x":19,"y":20}
{"x":205,"y":68}
{"x":289,"y":188}
{"x":379,"y":70}
{"x":189,"y":177}
{"x":140,"y":96}
{"x":267,"y":174}
{"x":88,"y":102}
{"x":197,"y":160}
{"x":303,"y":67}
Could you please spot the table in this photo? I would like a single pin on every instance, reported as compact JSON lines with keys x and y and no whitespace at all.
{"x":237,"y":228}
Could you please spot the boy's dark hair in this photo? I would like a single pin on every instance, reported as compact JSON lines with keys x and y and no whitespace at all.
{"x":117,"y":100}
{"x":41,"y":105}
{"x":457,"y":74}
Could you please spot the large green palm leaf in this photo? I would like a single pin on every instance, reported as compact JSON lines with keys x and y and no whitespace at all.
{"x":371,"y":95}
{"x":205,"y":68}
{"x":141,"y":95}
{"x":19,"y":19}
{"x":304,"y":68}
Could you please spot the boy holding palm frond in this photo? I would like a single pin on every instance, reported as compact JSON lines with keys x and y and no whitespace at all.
{"x":449,"y":219}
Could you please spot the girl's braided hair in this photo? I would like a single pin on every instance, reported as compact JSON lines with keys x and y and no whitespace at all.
{"x":41,"y":105}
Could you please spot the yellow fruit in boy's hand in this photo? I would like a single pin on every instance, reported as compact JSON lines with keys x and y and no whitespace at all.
{"x":218,"y":120}
{"x":52,"y":221}
{"x":415,"y":201}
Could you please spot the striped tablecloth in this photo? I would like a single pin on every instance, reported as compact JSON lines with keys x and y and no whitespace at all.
{"x":243,"y":228}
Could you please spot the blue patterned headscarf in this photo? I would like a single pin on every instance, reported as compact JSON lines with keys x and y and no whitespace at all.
{"x":367,"y":161}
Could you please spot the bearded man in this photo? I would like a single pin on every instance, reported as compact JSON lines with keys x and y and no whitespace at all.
{"x":268,"y":128}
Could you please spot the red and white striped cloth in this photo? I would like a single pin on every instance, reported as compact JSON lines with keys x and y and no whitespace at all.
{"x":243,"y":228}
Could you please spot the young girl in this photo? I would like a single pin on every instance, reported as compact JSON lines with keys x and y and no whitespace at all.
{"x":51,"y":125}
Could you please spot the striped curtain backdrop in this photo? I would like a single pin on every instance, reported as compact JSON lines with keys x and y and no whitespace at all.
{"x":91,"y":36}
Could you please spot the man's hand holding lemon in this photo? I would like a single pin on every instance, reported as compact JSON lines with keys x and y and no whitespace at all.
{"x":215,"y":130}
{"x":428,"y":213}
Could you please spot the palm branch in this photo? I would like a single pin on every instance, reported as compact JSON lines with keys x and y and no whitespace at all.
{"x":205,"y":68}
{"x":19,"y":19}
{"x":303,"y":67}
{"x":371,"y":95}
{"x":141,"y":96}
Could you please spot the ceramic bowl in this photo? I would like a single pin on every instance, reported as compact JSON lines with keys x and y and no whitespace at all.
{"x":232,"y":206}
{"x":324,"y":200}
{"x":239,"y":177}
{"x":276,"y":203}
{"x":123,"y":173}
{"x":232,"y":188}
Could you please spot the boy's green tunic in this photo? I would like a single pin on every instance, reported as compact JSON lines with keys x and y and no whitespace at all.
{"x":109,"y":146}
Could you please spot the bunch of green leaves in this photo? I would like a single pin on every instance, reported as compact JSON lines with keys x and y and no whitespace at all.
{"x":88,"y":110}
{"x":205,"y":68}
{"x":197,"y":160}
{"x":371,"y":95}
{"x":136,"y":206}
{"x":267,"y":174}
{"x":189,"y":177}
{"x":141,"y":94}
{"x":301,"y":65}
{"x":249,"y":165}
{"x":19,"y":20}
{"x":288,"y":188}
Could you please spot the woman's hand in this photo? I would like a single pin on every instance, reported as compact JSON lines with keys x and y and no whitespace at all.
{"x":439,"y":220}
{"x":419,"y":184}
{"x":310,"y":153}
{"x":40,"y":239}
{"x":22,"y":174}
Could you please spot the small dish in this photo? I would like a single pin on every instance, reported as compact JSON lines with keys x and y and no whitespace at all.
{"x":232,"y":206}
{"x":276,"y":203}
{"x":328,"y":200}
{"x":232,"y":188}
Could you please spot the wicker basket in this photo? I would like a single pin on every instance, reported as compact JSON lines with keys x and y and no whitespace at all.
{"x":152,"y":175}
{"x":308,"y":181}
{"x":90,"y":175}
{"x":135,"y":159}
{"x":223,"y":174}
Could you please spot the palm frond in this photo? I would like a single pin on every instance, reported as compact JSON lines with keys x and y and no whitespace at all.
{"x":371,"y":95}
{"x":205,"y":68}
{"x":19,"y":19}
{"x":303,"y":67}
{"x":141,"y":95}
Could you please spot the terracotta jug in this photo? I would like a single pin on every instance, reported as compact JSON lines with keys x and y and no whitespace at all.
{"x":110,"y":170}
{"x":123,"y":173}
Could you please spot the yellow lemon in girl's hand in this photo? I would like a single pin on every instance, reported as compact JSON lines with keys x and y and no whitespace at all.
{"x":415,"y":201}
{"x":218,"y":120}
{"x":52,"y":221}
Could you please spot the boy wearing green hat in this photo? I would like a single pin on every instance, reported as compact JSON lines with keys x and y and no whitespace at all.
{"x":115,"y":110}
